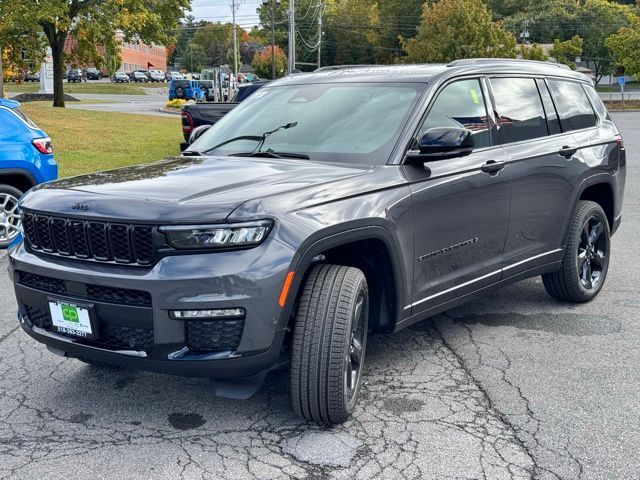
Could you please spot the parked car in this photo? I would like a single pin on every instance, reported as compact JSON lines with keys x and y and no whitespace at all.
{"x":173,"y":75}
{"x":195,"y":115}
{"x":32,"y":77}
{"x":156,"y":76}
{"x":93,"y":73}
{"x":139,"y":76}
{"x":120,"y":77}
{"x":324,"y":208}
{"x":207,"y":88}
{"x":26,"y":159}
{"x":75,"y":75}
{"x":186,"y":90}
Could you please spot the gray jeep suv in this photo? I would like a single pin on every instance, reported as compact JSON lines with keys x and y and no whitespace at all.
{"x":326,"y":207}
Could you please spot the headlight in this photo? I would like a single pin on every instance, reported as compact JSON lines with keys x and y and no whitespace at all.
{"x":232,"y":235}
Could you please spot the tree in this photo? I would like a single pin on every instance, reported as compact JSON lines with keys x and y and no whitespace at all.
{"x":532,"y":52}
{"x":215,"y":40}
{"x":501,"y":9}
{"x":625,"y":47}
{"x":600,"y":19}
{"x":454,"y":29}
{"x":545,"y":20}
{"x":93,"y":24}
{"x":352,"y":31}
{"x":567,"y":51}
{"x":193,"y":57}
{"x":19,"y":51}
{"x":398,"y":18}
{"x":262,"y":62}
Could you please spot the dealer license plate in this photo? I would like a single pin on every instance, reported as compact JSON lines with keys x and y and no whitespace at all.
{"x":71,"y":319}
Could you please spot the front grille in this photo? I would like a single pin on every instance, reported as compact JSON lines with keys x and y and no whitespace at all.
{"x":125,"y":338}
{"x":114,"y":337}
{"x":214,"y":335}
{"x":122,"y":296}
{"x":100,"y":241}
{"x":38,"y":317}
{"x":40,"y":282}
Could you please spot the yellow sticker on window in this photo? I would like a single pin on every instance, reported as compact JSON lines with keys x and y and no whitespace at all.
{"x":474,"y":95}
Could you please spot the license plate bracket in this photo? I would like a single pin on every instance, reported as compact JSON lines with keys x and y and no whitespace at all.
{"x":73,"y":319}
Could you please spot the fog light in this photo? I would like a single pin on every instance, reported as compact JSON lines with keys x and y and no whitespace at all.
{"x":205,"y":314}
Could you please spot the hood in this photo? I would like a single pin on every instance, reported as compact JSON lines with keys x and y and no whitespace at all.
{"x":185,"y":189}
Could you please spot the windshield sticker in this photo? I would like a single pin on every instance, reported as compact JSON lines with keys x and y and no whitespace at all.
{"x":474,"y":95}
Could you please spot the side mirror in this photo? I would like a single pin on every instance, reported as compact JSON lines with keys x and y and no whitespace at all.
{"x":442,"y":143}
{"x":198,"y":132}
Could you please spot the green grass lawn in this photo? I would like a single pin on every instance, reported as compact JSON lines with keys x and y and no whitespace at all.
{"x":88,"y":87}
{"x":629,"y":87}
{"x":85,"y":141}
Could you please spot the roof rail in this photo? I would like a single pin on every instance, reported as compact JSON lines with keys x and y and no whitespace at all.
{"x":342,"y":67}
{"x":475,"y":61}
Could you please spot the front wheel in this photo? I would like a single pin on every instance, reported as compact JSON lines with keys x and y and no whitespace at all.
{"x":329,"y":344}
{"x":586,"y":257}
{"x":10,"y":221}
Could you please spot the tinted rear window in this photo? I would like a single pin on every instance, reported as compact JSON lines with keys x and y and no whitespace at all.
{"x":573,"y":105}
{"x":26,"y":119}
{"x":519,"y":109}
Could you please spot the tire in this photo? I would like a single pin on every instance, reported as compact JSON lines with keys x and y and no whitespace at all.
{"x":586,"y":257}
{"x":329,"y":344}
{"x":9,"y":220}
{"x":180,"y":93}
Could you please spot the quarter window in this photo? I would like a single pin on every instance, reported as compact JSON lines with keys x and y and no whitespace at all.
{"x":519,"y":109}
{"x":573,"y":105}
{"x":461,"y":104}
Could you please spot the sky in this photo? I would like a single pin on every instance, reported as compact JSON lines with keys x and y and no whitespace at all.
{"x":220,"y":10}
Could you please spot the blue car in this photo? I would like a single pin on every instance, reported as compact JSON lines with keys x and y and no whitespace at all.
{"x":186,"y":90}
{"x":26,"y":159}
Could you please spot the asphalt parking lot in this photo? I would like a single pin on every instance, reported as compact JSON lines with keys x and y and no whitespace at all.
{"x":513,"y":385}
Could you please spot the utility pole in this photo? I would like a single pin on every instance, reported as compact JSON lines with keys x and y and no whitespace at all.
{"x":292,"y":36}
{"x":234,"y":7}
{"x":273,"y":39}
{"x":320,"y":35}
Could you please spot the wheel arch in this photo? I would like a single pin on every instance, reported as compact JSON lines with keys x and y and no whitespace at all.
{"x":23,"y":180}
{"x":373,"y":250}
{"x":601,"y":192}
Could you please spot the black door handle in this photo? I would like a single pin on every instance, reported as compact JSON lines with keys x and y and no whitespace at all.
{"x":492,"y":166}
{"x":567,"y":152}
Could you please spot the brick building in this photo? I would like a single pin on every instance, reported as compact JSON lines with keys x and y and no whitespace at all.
{"x":134,"y":56}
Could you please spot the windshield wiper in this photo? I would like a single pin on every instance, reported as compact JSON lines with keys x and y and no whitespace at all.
{"x":191,"y":153}
{"x":271,"y":154}
{"x":260,"y":139}
{"x":255,"y":138}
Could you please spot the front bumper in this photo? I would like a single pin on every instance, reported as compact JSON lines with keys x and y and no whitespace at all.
{"x":131,"y":307}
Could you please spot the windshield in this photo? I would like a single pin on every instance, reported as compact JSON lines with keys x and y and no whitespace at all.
{"x":341,"y":122}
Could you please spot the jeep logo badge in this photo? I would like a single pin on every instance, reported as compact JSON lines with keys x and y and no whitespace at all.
{"x":80,"y":206}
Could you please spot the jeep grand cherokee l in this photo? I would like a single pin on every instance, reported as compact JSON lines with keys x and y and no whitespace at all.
{"x":325,"y":207}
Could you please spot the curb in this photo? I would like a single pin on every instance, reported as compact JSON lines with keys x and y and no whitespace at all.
{"x":172,"y":111}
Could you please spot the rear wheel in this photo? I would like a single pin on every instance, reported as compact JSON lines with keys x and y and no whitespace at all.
{"x":10,"y":220}
{"x":586,"y":257}
{"x":329,"y":344}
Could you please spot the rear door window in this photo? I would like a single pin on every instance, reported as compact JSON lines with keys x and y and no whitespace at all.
{"x":518,"y":109}
{"x":573,"y":105}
